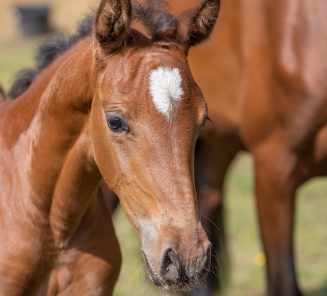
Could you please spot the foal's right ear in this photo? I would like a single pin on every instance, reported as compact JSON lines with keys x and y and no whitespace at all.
{"x":112,"y":22}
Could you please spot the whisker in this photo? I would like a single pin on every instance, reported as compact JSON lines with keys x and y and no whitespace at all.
{"x":212,"y":222}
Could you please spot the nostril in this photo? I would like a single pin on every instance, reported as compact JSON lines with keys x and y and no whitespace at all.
{"x":171,"y":266}
{"x":172,"y":258}
{"x":167,"y":261}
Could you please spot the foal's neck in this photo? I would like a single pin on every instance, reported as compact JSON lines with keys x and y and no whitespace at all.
{"x":50,"y":134}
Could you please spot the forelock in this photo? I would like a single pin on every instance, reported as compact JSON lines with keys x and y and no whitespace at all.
{"x":155,"y":16}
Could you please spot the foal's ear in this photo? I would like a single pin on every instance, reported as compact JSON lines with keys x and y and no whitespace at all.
{"x":196,"y":24}
{"x":112,"y":22}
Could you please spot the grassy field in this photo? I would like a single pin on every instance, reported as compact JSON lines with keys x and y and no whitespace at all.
{"x":246,"y":277}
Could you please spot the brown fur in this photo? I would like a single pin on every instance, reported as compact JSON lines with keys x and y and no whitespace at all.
{"x":58,"y":234}
{"x":263,"y":75}
{"x":263,"y":78}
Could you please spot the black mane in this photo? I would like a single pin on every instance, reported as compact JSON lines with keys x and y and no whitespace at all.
{"x":154,"y":14}
{"x":46,"y":54}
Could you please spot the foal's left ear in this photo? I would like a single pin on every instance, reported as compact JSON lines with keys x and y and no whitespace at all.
{"x":112,"y":22}
{"x":196,"y":24}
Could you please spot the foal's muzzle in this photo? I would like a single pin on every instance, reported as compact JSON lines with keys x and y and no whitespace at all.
{"x":174,"y":274}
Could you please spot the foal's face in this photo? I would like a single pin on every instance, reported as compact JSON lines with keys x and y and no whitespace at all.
{"x":153,"y":112}
{"x":146,"y":116}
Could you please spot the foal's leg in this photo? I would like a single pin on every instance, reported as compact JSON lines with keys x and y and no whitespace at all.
{"x":97,"y":255}
{"x":89,"y":260}
{"x":276,"y":179}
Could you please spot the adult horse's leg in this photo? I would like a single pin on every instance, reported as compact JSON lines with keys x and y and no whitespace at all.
{"x":320,"y":153}
{"x":213,"y":156}
{"x":2,"y":94}
{"x":276,"y":175}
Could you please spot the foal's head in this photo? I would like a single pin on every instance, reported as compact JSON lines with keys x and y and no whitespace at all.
{"x":146,"y":115}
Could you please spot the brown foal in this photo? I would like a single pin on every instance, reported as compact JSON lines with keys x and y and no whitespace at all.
{"x":263,"y":75}
{"x":120,"y":104}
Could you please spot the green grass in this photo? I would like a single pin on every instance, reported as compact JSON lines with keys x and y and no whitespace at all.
{"x":246,"y":278}
{"x":15,"y":55}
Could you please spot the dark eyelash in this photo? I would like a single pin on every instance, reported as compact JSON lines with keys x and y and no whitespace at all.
{"x":208,"y":118}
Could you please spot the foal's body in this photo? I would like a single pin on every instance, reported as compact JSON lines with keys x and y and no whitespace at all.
{"x":48,"y":180}
{"x":122,"y":105}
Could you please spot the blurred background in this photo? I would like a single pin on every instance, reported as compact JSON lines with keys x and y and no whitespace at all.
{"x":247,"y":273}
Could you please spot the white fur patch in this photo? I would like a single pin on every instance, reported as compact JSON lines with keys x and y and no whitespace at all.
{"x":165,"y":88}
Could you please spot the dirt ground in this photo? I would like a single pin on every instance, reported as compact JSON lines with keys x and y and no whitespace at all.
{"x":63,"y":16}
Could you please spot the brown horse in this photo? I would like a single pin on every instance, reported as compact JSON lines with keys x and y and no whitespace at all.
{"x":121,"y":104}
{"x":217,"y":68}
{"x":265,"y":86}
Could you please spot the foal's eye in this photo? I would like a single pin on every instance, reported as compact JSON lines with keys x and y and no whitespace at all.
{"x":116,"y":124}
